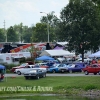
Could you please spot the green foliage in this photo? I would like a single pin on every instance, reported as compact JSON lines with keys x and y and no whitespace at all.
{"x":9,"y":66}
{"x":90,"y":87}
{"x":29,"y":59}
{"x":22,"y":60}
{"x":53,"y":25}
{"x":39,"y":32}
{"x":80,"y":26}
{"x":61,"y":84}
{"x":11,"y":35}
{"x":2,"y":35}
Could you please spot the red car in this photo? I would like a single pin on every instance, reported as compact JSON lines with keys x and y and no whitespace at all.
{"x":17,"y":67}
{"x":94,"y":68}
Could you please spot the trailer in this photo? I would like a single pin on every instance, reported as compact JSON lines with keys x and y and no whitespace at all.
{"x":13,"y":58}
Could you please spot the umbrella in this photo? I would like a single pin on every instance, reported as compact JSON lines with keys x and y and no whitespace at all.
{"x":44,"y":58}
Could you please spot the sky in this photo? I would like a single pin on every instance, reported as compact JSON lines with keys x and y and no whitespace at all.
{"x":28,"y":11}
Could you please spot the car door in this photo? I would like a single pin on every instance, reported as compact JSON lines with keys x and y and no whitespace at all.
{"x":76,"y":68}
{"x":95,"y":68}
{"x":91,"y":69}
{"x":25,"y":69}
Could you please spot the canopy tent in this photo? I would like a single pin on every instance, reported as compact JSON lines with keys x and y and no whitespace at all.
{"x":58,"y":48}
{"x":97,"y":54}
{"x":2,"y":67}
{"x":56,"y":53}
{"x":44,"y":58}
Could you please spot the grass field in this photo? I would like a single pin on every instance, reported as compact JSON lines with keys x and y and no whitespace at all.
{"x":54,"y":85}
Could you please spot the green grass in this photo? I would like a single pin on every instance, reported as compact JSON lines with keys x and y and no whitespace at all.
{"x":45,"y":98}
{"x":59,"y":84}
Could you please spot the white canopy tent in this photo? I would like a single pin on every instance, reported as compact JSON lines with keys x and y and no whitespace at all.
{"x":56,"y":53}
{"x":97,"y":54}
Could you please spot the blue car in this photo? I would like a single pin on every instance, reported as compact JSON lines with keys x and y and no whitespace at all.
{"x":55,"y":68}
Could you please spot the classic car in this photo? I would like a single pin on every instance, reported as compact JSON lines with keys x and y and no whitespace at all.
{"x":55,"y":68}
{"x":28,"y":68}
{"x":75,"y":68}
{"x":65,"y":68}
{"x":18,"y":67}
{"x":93,"y":68}
{"x":35,"y":73}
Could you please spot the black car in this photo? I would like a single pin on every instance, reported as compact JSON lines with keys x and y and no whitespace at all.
{"x":35,"y":73}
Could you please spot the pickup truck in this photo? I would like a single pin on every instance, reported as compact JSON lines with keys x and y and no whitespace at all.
{"x":28,"y":68}
{"x":94,"y":68}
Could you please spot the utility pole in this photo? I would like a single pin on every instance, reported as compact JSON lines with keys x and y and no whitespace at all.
{"x":5,"y":32}
{"x":47,"y":24}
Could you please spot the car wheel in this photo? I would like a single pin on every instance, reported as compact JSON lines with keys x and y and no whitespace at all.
{"x":95,"y":73}
{"x":53,"y":71}
{"x":70,"y":71}
{"x":44,"y":75}
{"x":62,"y":71}
{"x":18,"y":72}
{"x":37,"y":77}
{"x":86,"y":73}
{"x":99,"y":72}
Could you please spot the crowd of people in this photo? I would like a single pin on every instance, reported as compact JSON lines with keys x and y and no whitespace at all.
{"x":95,"y":60}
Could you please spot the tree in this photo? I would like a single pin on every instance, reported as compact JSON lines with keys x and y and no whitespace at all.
{"x":2,"y":36}
{"x":40,"y":33}
{"x":11,"y":35}
{"x":53,"y":22}
{"x":81,"y":23}
{"x":27,"y":34}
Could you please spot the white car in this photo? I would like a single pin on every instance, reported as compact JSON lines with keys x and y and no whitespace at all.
{"x":85,"y":59}
{"x":26,"y":69}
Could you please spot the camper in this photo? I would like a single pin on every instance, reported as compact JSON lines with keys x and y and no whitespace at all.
{"x":13,"y":58}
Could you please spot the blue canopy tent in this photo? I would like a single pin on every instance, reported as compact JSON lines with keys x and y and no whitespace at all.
{"x":2,"y":72}
{"x":2,"y":67}
{"x":44,"y":58}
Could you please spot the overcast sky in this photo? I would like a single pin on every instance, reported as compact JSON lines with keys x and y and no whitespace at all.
{"x":27,"y":11}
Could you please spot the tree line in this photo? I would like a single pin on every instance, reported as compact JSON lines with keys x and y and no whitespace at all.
{"x":79,"y":25}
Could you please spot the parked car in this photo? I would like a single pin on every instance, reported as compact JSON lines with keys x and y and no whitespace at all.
{"x":18,"y":67}
{"x":28,"y":68}
{"x":86,"y":60}
{"x":94,"y":68}
{"x":75,"y":68}
{"x":55,"y":68}
{"x":35,"y":73}
{"x":65,"y":68}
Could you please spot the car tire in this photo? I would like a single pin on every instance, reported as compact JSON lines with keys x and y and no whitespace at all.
{"x":37,"y":77}
{"x":62,"y":71}
{"x":86,"y":73}
{"x":18,"y":72}
{"x":70,"y":71}
{"x":99,"y":72}
{"x":44,"y":75}
{"x":95,"y":73}
{"x":53,"y":71}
